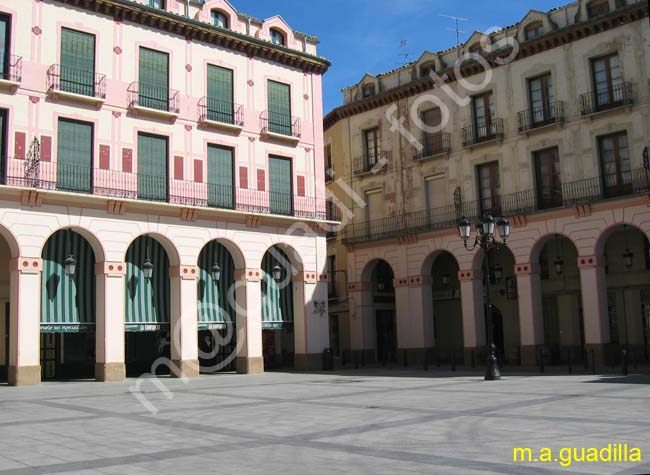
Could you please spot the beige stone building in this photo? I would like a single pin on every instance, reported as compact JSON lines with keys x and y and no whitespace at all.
{"x":553,"y":138}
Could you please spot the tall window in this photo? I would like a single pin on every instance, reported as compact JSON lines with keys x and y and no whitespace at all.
{"x":277,"y":38}
{"x":77,"y":62}
{"x":489,"y":186}
{"x":157,"y":4}
{"x":597,"y":8}
{"x":368,"y":90}
{"x":332,"y":287}
{"x":74,"y":156}
{"x":432,"y":141}
{"x":5,"y":47}
{"x":220,"y":177}
{"x":534,"y":30}
{"x":279,"y":103}
{"x":280,"y":185}
{"x":328,"y":163}
{"x":436,"y":195}
{"x":608,"y":80}
{"x":547,"y":175}
{"x":483,"y":112}
{"x":153,"y":79}
{"x":371,"y":147}
{"x":615,"y":163}
{"x":540,"y":90}
{"x":220,"y":94}
{"x":152,"y":167}
{"x":219,"y":19}
{"x":374,"y":210}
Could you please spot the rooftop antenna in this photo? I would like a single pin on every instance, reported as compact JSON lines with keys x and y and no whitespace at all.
{"x":404,"y":44}
{"x":457,"y":29}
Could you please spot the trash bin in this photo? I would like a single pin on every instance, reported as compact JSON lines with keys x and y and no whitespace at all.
{"x":328,"y":360}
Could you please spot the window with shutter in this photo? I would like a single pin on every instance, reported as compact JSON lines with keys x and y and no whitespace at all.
{"x":74,"y":156}
{"x":220,"y":177}
{"x":152,"y":167}
{"x":280,"y":185}
{"x":5,"y":49}
{"x":153,"y":79}
{"x":220,"y":94}
{"x":279,"y":98}
{"x":77,"y":62}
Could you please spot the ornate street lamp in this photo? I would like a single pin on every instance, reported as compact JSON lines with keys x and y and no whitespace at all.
{"x":277,"y":273}
{"x":147,"y":269}
{"x":559,"y":265}
{"x":486,"y":240}
{"x":70,"y":266}
{"x":215,"y":272}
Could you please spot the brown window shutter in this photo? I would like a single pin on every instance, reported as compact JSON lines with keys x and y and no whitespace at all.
{"x":261,"y":180}
{"x":178,"y":168}
{"x":301,"y":185}
{"x":198,"y":171}
{"x":243,"y":177}
{"x":19,"y":151}
{"x":105,"y":157}
{"x":46,"y":148}
{"x":127,"y":160}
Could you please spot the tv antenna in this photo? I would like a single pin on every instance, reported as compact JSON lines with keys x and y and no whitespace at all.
{"x":457,"y":29}
{"x":404,"y":44}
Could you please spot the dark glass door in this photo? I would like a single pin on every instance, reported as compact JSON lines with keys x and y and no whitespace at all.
{"x":547,"y":174}
{"x":280,"y":181}
{"x":541,"y":99}
{"x":483,"y":111}
{"x":615,"y":164}
{"x":5,"y":47}
{"x":489,"y":186}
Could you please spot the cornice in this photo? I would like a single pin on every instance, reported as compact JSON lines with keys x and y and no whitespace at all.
{"x":125,"y":10}
{"x":554,"y":39}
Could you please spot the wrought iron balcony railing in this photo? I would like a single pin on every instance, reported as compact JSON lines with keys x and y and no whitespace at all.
{"x":521,"y":203}
{"x":432,"y":145}
{"x":11,"y":67}
{"x":485,"y":132}
{"x":605,"y":99}
{"x":153,"y":97}
{"x":62,"y":78}
{"x":537,"y":117}
{"x":280,"y":124}
{"x":124,"y":185}
{"x":370,"y":163}
{"x":216,"y":110}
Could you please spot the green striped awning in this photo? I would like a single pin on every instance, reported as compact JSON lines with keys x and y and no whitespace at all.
{"x":67,"y":303}
{"x":147,"y":301}
{"x":277,"y":298}
{"x":214,"y":306}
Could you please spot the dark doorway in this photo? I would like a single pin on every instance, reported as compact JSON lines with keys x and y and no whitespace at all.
{"x":67,"y":356}
{"x":386,"y":336}
{"x":4,"y":368}
{"x":143,"y":348}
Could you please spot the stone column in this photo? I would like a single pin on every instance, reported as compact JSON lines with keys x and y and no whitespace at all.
{"x":184,"y":321}
{"x":24,"y":321}
{"x":250,"y":359}
{"x":471,"y":292}
{"x":414,"y":319}
{"x":531,"y":318}
{"x":109,"y":360}
{"x":363,"y":332}
{"x":312,"y":332}
{"x":594,"y":306}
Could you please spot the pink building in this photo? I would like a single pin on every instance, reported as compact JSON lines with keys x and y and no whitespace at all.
{"x":156,"y":159}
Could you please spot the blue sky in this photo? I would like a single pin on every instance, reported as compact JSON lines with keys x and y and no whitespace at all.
{"x":360,"y":36}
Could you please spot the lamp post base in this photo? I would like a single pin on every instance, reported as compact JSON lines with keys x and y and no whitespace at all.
{"x":492,"y":372}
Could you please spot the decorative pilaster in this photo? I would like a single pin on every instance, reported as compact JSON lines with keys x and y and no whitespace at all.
{"x":109,"y":363}
{"x":249,"y":321}
{"x":594,"y":304}
{"x":471,"y":291}
{"x":531,"y":318}
{"x":184,"y":324}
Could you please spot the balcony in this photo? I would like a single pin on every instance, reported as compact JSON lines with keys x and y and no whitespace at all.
{"x":580,"y":192}
{"x":367,"y":164}
{"x":11,"y":70}
{"x":481,"y":134}
{"x":64,"y":82}
{"x":156,"y":101}
{"x":220,"y":114}
{"x":540,"y":117}
{"x":281,"y":127}
{"x":597,"y":102}
{"x":113,"y":184}
{"x":433,"y":145}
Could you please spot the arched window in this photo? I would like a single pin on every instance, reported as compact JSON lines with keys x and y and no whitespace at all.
{"x":475,"y":48}
{"x":427,"y":69}
{"x":277,"y":38}
{"x":534,"y":30}
{"x":219,"y":19}
{"x":368,"y":90}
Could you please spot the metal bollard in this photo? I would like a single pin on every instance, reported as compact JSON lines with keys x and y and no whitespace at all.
{"x":593,"y":362}
{"x":570,"y":362}
{"x":426,"y":359}
{"x":406,"y":360}
{"x":625,"y":362}
{"x":453,"y":361}
{"x":356,"y":360}
{"x":541,"y":360}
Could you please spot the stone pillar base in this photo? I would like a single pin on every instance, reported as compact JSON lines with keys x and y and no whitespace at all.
{"x":24,"y":375}
{"x":412,"y":356}
{"x":308,"y":361}
{"x":110,"y":372}
{"x":598,"y":353}
{"x":185,"y":369}
{"x":530,"y":355}
{"x":250,"y":365}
